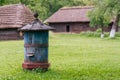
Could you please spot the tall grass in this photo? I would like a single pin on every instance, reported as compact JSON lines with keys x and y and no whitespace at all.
{"x":72,"y":57}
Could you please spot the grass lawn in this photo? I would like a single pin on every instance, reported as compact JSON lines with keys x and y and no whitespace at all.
{"x":72,"y":57}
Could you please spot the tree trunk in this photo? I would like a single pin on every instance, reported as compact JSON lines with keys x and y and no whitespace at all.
{"x":115,"y":25}
{"x":102,"y":33}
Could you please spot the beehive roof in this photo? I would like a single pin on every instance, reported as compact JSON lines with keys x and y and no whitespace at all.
{"x":36,"y":25}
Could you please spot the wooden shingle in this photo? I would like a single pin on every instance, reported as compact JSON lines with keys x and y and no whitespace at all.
{"x":70,"y":14}
{"x":14,"y":16}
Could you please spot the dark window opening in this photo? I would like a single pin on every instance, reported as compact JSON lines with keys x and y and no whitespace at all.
{"x":67,"y":28}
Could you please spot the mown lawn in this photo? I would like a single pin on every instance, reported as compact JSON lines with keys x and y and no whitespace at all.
{"x":72,"y":57}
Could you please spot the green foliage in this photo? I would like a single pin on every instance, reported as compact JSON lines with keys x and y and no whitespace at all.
{"x":72,"y":57}
{"x":98,"y":30}
{"x":87,"y":33}
{"x":104,"y":12}
{"x":99,"y":17}
{"x":2,"y":2}
{"x":47,"y":7}
{"x":90,"y":2}
{"x":96,"y":34}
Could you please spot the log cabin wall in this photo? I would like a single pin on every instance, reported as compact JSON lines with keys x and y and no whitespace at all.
{"x":13,"y":17}
{"x":75,"y":27}
{"x":9,"y":34}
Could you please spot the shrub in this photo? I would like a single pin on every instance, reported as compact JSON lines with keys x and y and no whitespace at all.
{"x":106,"y":34}
{"x":98,"y":30}
{"x":97,"y":34}
{"x":87,"y":33}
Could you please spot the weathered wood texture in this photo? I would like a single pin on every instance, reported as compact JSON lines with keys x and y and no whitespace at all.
{"x":12,"y":17}
{"x":75,"y":27}
{"x":9,"y":34}
{"x":36,"y":46}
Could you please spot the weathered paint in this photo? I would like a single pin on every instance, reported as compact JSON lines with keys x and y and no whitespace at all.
{"x":36,"y":46}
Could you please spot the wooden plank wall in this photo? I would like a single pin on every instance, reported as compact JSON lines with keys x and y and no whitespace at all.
{"x":76,"y":27}
{"x":36,"y":46}
{"x":9,"y":34}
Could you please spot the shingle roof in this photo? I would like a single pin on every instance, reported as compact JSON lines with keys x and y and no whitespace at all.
{"x":36,"y":25}
{"x":15,"y":16}
{"x":70,"y":14}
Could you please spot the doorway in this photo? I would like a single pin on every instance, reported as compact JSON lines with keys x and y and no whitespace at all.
{"x":67,"y":28}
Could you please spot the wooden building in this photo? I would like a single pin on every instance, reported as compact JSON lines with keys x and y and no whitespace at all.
{"x":72,"y":19}
{"x":12,"y":17}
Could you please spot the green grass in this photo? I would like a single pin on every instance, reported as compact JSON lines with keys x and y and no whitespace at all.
{"x":72,"y":57}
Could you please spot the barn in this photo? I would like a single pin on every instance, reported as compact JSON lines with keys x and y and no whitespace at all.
{"x":12,"y":17}
{"x":72,"y":19}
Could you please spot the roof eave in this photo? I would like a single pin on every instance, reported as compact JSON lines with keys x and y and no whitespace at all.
{"x":68,"y":21}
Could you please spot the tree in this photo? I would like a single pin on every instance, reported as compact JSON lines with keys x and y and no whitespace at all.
{"x":90,"y":2}
{"x":113,"y":7}
{"x":53,"y":5}
{"x":108,"y":9}
{"x":2,"y":2}
{"x":99,"y":17}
